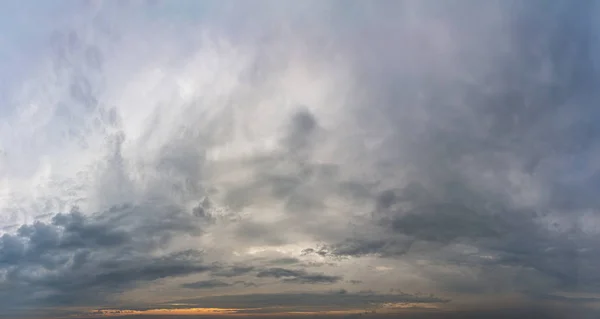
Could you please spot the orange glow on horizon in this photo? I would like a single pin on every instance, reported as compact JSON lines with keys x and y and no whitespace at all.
{"x":161,"y":311}
{"x":381,"y":308}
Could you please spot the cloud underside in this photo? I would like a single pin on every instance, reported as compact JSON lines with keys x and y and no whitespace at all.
{"x":391,"y":144}
{"x":76,"y":259}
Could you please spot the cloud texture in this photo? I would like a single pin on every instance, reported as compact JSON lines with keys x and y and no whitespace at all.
{"x":312,"y":156}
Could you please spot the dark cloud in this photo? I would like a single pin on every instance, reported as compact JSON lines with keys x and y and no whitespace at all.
{"x":302,"y":127}
{"x":280,"y":272}
{"x":245,"y":283}
{"x":361,"y":246}
{"x":214,"y":283}
{"x":297,"y":276}
{"x":203,"y":210}
{"x":206,"y":284}
{"x":82,"y":260}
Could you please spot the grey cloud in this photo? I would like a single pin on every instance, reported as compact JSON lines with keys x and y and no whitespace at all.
{"x":511,"y":237}
{"x":257,"y":232}
{"x":490,"y":159}
{"x":203,"y":210}
{"x":233,"y":271}
{"x":557,"y":298}
{"x":280,"y":272}
{"x":313,"y":279}
{"x":453,"y":140}
{"x":444,"y":223}
{"x":285,"y":261}
{"x":329,"y":301}
{"x":479,"y":131}
{"x":297,"y":276}
{"x":288,"y":178}
{"x":206,"y":284}
{"x":245,"y":283}
{"x":82,"y":260}
{"x":362,"y":246}
{"x":308,"y":251}
{"x":365,"y":246}
{"x":319,"y":264}
{"x":301,"y":128}
{"x":214,"y":283}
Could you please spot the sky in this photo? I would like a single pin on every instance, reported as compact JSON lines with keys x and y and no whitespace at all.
{"x":299,"y":159}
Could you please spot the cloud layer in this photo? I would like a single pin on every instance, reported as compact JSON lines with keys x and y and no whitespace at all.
{"x":312,"y":156}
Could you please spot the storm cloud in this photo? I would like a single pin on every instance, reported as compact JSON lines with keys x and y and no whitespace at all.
{"x":76,"y":259}
{"x":299,"y":157}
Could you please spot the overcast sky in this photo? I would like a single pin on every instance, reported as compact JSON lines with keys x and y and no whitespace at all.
{"x":438,"y":159}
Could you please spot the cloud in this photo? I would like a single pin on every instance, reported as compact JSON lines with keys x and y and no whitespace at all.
{"x":306,"y":301}
{"x":313,"y":279}
{"x":298,"y":276}
{"x":233,"y":271}
{"x":285,"y":261}
{"x":206,"y":284}
{"x":214,"y":283}
{"x":400,"y":144}
{"x":556,"y":298}
{"x":82,"y":260}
